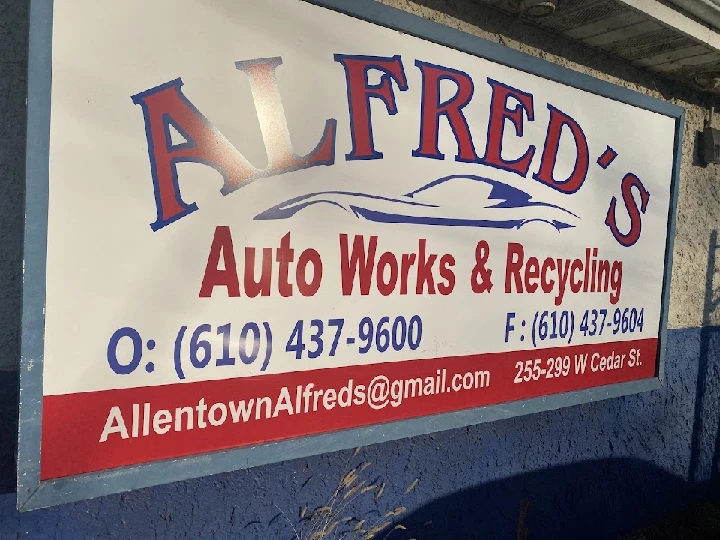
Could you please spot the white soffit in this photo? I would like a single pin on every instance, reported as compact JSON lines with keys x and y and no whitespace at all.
{"x":661,"y":37}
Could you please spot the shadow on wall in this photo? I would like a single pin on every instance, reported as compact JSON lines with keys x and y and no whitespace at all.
{"x":13,"y":121}
{"x":594,"y":499}
{"x":13,"y":86}
{"x":587,"y":500}
{"x":8,"y":430}
{"x":705,"y":449}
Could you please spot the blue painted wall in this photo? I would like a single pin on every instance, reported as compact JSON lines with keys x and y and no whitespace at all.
{"x":591,"y":471}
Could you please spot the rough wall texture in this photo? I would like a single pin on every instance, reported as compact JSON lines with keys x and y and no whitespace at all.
{"x":591,"y":471}
{"x":13,"y":82}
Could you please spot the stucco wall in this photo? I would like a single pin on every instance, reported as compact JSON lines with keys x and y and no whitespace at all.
{"x":588,"y":471}
{"x":13,"y":81}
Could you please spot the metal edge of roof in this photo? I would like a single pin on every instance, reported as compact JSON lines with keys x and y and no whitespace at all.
{"x":674,"y":19}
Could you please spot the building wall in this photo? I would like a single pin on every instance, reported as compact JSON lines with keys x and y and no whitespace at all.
{"x":593,"y":470}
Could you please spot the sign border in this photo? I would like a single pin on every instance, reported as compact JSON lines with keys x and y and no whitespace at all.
{"x":33,"y":493}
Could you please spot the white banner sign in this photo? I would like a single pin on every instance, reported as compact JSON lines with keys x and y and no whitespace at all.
{"x":269,"y":220}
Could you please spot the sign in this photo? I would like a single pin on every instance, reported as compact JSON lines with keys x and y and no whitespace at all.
{"x":268,"y":221}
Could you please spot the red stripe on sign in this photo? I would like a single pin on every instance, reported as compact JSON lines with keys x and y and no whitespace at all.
{"x":95,"y":431}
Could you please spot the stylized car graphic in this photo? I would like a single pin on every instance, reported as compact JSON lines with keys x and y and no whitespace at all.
{"x":442,"y":202}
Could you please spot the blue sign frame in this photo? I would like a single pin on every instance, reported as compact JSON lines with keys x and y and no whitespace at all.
{"x":33,"y":493}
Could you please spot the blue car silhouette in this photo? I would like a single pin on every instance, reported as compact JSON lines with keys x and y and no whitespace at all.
{"x":438,"y":203}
